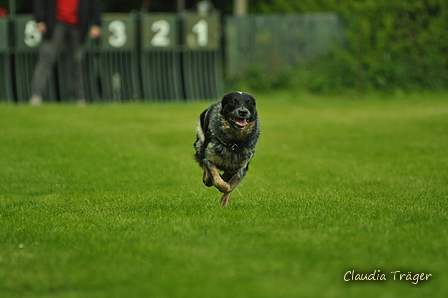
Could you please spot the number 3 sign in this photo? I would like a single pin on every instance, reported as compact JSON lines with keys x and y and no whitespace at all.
{"x":118,"y":36}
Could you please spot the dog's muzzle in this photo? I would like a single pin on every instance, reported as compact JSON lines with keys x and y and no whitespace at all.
{"x":240,"y":117}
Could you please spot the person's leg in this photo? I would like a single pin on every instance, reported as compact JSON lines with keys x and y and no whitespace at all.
{"x":47,"y":56}
{"x":75,"y":56}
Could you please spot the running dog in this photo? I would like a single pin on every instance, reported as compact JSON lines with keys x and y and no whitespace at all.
{"x":226,"y":135}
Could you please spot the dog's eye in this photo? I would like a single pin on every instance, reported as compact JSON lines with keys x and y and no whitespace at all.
{"x":250,"y":103}
{"x":233,"y":102}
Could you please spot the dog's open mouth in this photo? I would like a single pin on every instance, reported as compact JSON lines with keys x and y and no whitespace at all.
{"x":239,"y":122}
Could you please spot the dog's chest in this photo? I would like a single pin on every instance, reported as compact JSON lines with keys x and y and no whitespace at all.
{"x":226,"y":159}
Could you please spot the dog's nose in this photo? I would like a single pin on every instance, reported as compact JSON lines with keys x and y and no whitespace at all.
{"x":242,"y":113}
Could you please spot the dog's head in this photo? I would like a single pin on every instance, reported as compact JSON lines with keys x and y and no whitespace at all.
{"x":238,"y":108}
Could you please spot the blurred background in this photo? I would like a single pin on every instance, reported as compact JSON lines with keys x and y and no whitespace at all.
{"x":191,"y":49}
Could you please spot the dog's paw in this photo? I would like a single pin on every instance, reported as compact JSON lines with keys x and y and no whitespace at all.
{"x":206,"y":178}
{"x":225,"y":199}
{"x":207,"y":182}
{"x":223,"y":187}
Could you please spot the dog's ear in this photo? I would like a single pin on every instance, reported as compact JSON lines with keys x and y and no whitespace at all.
{"x":227,"y":99}
{"x":251,"y":105}
{"x":252,"y":100}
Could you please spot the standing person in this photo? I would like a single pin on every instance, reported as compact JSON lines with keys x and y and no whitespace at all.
{"x":63,"y":22}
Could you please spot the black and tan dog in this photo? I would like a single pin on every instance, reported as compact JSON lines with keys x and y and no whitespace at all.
{"x":226,"y":136}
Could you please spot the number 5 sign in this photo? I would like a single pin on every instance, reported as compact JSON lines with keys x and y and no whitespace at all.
{"x":32,"y":36}
{"x":26,"y":36}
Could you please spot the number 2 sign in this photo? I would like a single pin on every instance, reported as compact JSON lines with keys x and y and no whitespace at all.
{"x":159,"y":31}
{"x":161,"y":37}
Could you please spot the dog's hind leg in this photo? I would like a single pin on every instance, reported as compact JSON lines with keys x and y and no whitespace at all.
{"x":206,"y":178}
{"x":236,"y":179}
{"x":233,"y":183}
{"x":225,"y":199}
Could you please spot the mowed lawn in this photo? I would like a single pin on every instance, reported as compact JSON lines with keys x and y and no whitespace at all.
{"x":107,"y":201}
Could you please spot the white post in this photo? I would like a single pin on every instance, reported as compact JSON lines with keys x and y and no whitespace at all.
{"x":180,"y":5}
{"x":12,"y":8}
{"x":240,"y":7}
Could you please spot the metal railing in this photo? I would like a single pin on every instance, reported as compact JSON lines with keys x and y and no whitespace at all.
{"x":6,"y":90}
{"x":138,"y":57}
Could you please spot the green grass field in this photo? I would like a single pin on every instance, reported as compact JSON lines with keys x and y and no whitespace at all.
{"x":107,"y":201}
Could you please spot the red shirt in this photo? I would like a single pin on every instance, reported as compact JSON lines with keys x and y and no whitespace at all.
{"x":67,"y":11}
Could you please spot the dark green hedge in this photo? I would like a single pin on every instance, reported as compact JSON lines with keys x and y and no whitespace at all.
{"x":392,"y":44}
{"x":400,"y":44}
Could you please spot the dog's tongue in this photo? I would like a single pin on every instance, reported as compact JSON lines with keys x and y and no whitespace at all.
{"x":241,"y":122}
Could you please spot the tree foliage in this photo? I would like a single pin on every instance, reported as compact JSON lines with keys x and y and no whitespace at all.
{"x":399,"y":44}
{"x":392,"y":44}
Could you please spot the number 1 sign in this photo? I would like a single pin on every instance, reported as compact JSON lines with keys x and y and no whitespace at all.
{"x":201,"y":32}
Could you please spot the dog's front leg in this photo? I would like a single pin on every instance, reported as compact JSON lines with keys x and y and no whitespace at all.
{"x":218,"y":182}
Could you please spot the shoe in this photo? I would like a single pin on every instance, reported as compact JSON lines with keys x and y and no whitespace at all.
{"x":36,"y":100}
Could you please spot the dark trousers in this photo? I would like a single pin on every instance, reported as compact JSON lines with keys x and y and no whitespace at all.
{"x":64,"y":37}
